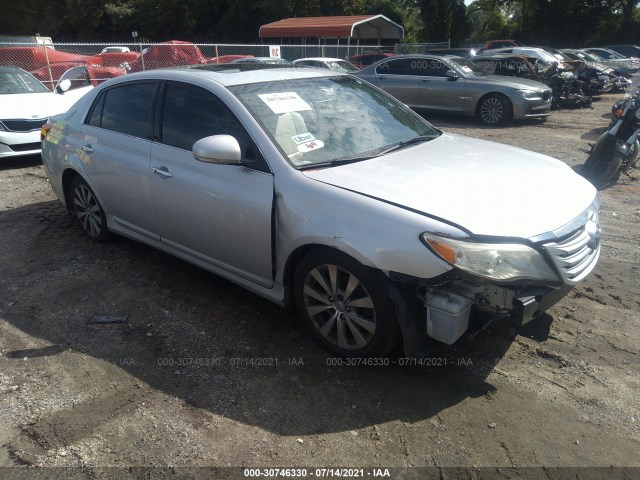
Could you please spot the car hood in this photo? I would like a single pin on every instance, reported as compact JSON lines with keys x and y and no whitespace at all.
{"x":38,"y":105}
{"x":483,"y":187}
{"x":513,"y":82}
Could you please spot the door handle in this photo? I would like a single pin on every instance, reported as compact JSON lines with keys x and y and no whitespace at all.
{"x":87,"y":148}
{"x":162,"y":171}
{"x":425,"y":80}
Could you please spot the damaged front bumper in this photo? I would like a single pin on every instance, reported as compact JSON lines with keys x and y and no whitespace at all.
{"x":447,"y":309}
{"x":440,"y":308}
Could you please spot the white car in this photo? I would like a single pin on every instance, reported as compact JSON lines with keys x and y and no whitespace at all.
{"x":335,"y":64}
{"x":115,"y":50}
{"x":26,"y":105}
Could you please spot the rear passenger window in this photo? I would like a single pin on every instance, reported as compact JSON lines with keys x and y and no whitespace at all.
{"x":125,"y":109}
{"x":396,"y":67}
{"x":417,"y":66}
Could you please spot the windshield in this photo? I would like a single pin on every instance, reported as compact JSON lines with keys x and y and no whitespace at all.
{"x":538,"y":53}
{"x":342,"y":66}
{"x":319,"y":120}
{"x":613,"y":54}
{"x":590,"y":56}
{"x":467,"y":68}
{"x":15,"y":81}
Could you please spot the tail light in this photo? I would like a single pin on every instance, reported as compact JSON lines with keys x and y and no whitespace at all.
{"x":44,"y":130}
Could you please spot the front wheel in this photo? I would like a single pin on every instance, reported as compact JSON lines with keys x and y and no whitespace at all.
{"x":604,"y":162}
{"x":347,"y":308}
{"x":494,"y":109}
{"x":88,"y":211}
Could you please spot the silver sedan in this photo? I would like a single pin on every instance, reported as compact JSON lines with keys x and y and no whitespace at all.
{"x":449,"y":83}
{"x":315,"y":189}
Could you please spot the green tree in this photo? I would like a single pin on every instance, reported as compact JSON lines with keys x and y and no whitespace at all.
{"x":444,"y":20}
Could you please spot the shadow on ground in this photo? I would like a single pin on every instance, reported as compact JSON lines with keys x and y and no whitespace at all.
{"x":204,"y":340}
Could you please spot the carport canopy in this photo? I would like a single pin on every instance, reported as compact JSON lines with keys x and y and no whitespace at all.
{"x":365,"y":27}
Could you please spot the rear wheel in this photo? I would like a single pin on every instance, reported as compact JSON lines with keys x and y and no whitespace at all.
{"x":346,"y":307}
{"x":88,"y":211}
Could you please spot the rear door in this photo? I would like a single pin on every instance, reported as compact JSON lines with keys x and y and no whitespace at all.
{"x":219,"y":214}
{"x":115,"y":148}
{"x":396,"y":77}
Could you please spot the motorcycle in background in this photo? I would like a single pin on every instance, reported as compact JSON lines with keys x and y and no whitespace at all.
{"x":616,"y":151}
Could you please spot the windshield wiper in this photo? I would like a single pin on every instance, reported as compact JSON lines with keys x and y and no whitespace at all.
{"x":337,"y":161}
{"x":360,"y":158}
{"x":411,"y":141}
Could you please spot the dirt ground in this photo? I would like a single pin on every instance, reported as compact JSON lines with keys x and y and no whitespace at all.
{"x":175,"y":386}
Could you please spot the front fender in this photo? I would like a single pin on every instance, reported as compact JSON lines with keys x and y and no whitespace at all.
{"x":376,"y":234}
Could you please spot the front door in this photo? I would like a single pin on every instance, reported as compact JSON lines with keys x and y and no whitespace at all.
{"x":219,"y":214}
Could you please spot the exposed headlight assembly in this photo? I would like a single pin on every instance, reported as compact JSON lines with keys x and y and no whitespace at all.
{"x":503,"y":262}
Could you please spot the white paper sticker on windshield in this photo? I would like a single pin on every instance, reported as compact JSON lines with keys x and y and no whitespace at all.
{"x":466,"y":69}
{"x":309,"y":146}
{"x":285,"y":102}
{"x":303,"y":138}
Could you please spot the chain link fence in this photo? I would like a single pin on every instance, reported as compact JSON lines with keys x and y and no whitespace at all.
{"x":408,"y":48}
{"x":103,"y":61}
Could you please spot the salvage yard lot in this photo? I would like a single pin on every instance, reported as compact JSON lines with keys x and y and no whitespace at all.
{"x":204,"y":373}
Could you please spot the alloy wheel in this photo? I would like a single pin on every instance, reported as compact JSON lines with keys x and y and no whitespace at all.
{"x":87,"y":210}
{"x":339,"y":307}
{"x":491,"y":110}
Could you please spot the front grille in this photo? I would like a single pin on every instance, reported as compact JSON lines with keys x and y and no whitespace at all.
{"x":546,"y":95}
{"x":576,"y":255}
{"x":24,"y":125}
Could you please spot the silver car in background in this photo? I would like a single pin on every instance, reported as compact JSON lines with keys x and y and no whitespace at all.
{"x":335,"y":64}
{"x":316,"y":189}
{"x":454,"y":84}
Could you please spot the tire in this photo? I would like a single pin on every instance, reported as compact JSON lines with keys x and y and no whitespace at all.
{"x":88,"y":211}
{"x":347,"y":308}
{"x":604,"y":162}
{"x":494,"y":109}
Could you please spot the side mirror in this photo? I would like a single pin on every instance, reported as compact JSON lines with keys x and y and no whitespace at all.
{"x":63,"y":86}
{"x":452,"y":75}
{"x":222,"y":149}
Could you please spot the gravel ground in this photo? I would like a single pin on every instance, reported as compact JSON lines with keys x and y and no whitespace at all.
{"x":174,"y":386}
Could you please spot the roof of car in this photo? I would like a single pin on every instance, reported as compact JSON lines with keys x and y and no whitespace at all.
{"x":368,"y":54}
{"x":7,"y":69}
{"x":499,"y":55}
{"x":320,"y":59}
{"x":422,"y":55}
{"x":235,"y":74}
{"x":275,"y":59}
